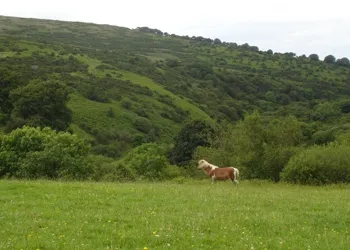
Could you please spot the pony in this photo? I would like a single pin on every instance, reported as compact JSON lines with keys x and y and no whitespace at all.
{"x":216,"y":173}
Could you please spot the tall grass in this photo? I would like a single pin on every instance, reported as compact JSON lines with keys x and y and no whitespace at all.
{"x":168,"y":215}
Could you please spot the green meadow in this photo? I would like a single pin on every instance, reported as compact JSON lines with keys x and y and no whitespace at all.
{"x":172,"y":215}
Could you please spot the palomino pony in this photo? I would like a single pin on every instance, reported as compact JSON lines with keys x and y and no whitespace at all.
{"x":217,"y":173}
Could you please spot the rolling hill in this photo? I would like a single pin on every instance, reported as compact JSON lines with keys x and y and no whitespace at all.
{"x":130,"y":86}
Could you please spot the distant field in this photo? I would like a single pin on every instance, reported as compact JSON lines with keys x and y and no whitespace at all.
{"x":192,"y":215}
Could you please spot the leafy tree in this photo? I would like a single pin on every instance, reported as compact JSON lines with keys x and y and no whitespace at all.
{"x":260,"y":149}
{"x":329,"y":59}
{"x":325,"y":111}
{"x":314,"y":57}
{"x":319,"y":165}
{"x":193,"y":134}
{"x":42,"y":104}
{"x":43,"y":153}
{"x":323,"y":137}
{"x":8,"y":82}
{"x":143,"y":124}
{"x":217,"y":41}
{"x":148,"y":160}
{"x":343,"y":62}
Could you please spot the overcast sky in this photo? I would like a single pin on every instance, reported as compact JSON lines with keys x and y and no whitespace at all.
{"x":300,"y":26}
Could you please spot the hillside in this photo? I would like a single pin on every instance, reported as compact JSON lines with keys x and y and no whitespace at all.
{"x":130,"y":86}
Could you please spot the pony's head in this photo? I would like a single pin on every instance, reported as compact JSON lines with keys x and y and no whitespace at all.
{"x":203,"y":164}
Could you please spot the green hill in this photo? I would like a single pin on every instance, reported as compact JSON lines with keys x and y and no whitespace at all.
{"x":130,"y":86}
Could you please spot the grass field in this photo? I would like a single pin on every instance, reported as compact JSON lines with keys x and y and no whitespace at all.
{"x":192,"y":215}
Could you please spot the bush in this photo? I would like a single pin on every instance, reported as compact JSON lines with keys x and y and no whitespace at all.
{"x":143,"y":124}
{"x":106,"y":169}
{"x":319,"y":165}
{"x":43,"y":153}
{"x":149,"y":161}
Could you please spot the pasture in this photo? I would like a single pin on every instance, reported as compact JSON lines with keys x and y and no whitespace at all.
{"x":170,"y":215}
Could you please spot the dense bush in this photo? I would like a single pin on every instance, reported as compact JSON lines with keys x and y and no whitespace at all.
{"x":107,"y":169}
{"x":42,"y":103}
{"x":149,"y":161}
{"x":193,"y":134}
{"x":43,"y":153}
{"x":319,"y":165}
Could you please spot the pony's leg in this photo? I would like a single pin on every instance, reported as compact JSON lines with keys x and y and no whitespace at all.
{"x":213,"y":179}
{"x":234,"y":181}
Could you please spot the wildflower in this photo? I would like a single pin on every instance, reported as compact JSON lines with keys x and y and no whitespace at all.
{"x":145,"y":248}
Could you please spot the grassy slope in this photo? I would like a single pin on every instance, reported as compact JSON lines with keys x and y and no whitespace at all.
{"x":94,"y":113}
{"x":196,"y":215}
{"x":145,"y":81}
{"x":251,"y":75}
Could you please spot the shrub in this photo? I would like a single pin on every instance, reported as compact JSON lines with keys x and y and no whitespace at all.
{"x":319,"y":165}
{"x":149,"y":161}
{"x":106,"y":169}
{"x":323,"y":137}
{"x":143,"y":124}
{"x":43,"y":153}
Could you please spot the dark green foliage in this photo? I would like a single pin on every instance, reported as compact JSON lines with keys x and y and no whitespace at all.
{"x":329,"y":59}
{"x":143,"y":125}
{"x":43,"y":153}
{"x":126,"y":104}
{"x":106,"y":169}
{"x":110,"y":113}
{"x":258,"y":148}
{"x":323,"y":137}
{"x":314,"y":57}
{"x":8,"y":82}
{"x":325,"y":111}
{"x":343,"y":62}
{"x":149,"y":161}
{"x":319,"y":165}
{"x":41,"y":104}
{"x":192,"y":134}
{"x":141,"y":84}
{"x":345,"y":107}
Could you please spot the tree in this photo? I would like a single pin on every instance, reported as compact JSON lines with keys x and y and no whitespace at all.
{"x":217,"y":41}
{"x":8,"y":82}
{"x":148,"y":160}
{"x":329,"y":59}
{"x":314,"y":57}
{"x":42,"y":104}
{"x":343,"y":62}
{"x":43,"y":153}
{"x":259,"y":149}
{"x":193,"y":134}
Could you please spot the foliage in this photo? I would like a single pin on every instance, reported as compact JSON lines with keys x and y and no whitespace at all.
{"x":127,"y":87}
{"x":149,"y":161}
{"x":329,"y":59}
{"x":259,"y":149}
{"x":43,"y":153}
{"x":42,"y":104}
{"x":193,"y":134}
{"x":107,"y":169}
{"x":319,"y":165}
{"x":325,"y":111}
{"x":8,"y":82}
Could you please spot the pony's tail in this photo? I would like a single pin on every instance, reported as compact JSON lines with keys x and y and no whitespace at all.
{"x":236,"y":173}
